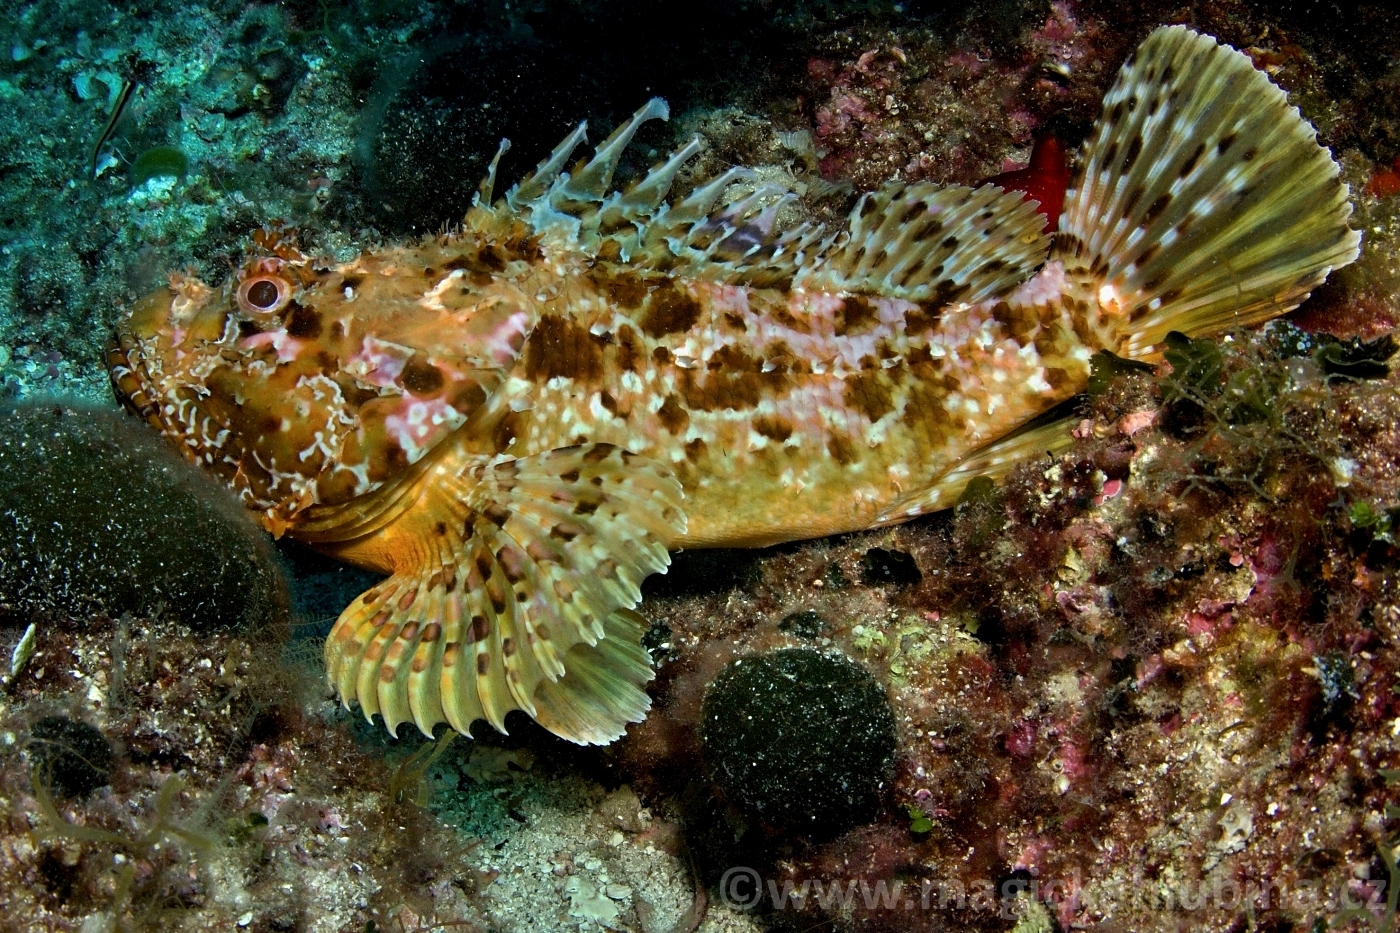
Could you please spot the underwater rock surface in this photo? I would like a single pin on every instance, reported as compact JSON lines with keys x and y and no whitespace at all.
{"x":71,"y":756}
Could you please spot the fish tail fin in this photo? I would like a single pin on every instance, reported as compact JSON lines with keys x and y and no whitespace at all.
{"x":1205,"y":203}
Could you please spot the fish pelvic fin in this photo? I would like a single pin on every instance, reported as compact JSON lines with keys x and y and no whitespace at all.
{"x":513,"y":591}
{"x":1205,"y":203}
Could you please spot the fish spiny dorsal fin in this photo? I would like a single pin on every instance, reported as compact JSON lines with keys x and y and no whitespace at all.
{"x":624,"y":215}
{"x":580,"y":191}
{"x":590,"y":183}
{"x":732,"y":232}
{"x":519,"y":597}
{"x":486,"y":190}
{"x":704,"y":234}
{"x":536,"y":184}
{"x":926,"y":242}
{"x":1205,"y":203}
{"x":733,"y":243}
{"x":579,"y":205}
{"x":777,"y":262}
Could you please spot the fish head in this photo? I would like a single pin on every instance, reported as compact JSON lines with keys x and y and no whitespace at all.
{"x":301,"y":383}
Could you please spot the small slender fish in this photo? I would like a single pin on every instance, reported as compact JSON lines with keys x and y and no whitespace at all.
{"x":517,"y":420}
{"x":128,"y":86}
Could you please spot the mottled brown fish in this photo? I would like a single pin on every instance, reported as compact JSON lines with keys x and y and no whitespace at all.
{"x":518,"y":420}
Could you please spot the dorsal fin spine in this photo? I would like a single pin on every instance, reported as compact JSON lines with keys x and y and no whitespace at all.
{"x":695,"y":207}
{"x":651,"y":190}
{"x":537,"y":183}
{"x":590,"y":182}
{"x":486,"y":190}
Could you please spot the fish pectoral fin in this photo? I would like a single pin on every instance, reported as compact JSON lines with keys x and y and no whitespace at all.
{"x":1047,"y":434}
{"x":517,"y":596}
{"x":600,"y":691}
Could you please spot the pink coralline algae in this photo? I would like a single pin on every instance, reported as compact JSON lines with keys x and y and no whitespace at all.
{"x":919,"y":109}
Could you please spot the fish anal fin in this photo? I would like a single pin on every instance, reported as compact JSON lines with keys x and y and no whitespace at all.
{"x":1048,"y":434}
{"x":513,"y":574}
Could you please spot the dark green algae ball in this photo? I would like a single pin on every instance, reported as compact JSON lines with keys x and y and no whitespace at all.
{"x":71,"y":757}
{"x":99,"y":515}
{"x":799,"y":739}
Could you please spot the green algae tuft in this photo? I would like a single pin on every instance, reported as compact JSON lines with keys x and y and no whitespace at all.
{"x":799,"y":739}
{"x":158,"y":162}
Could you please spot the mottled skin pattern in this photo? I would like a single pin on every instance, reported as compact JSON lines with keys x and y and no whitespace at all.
{"x":785,"y":414}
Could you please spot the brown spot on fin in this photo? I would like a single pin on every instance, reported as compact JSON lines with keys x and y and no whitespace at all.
{"x":513,"y":608}
{"x":922,"y":241}
{"x":1175,"y":223}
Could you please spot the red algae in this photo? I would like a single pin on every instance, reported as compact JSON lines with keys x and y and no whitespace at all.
{"x":1044,"y":180}
{"x":1385,"y":180}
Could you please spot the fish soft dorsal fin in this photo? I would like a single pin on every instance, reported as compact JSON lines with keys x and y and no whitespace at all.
{"x":507,"y":592}
{"x":1206,"y":202}
{"x":925,"y":242}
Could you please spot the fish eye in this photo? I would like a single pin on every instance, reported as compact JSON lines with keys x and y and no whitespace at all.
{"x":263,"y":294}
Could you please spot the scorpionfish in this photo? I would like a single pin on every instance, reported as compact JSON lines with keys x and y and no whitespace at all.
{"x":516,"y":421}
